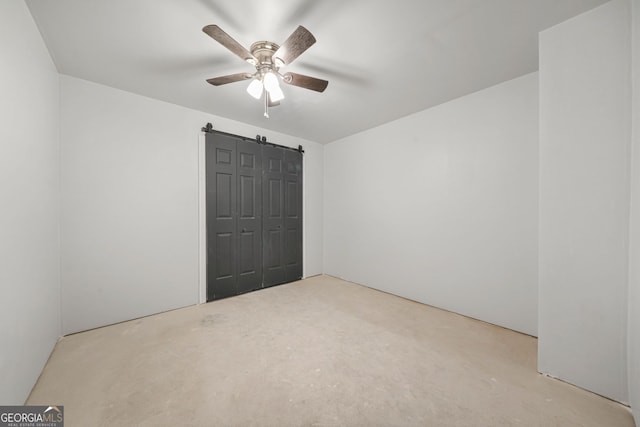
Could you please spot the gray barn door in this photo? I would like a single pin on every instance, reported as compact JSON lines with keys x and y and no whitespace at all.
{"x":254,"y":215}
{"x":282,"y":207}
{"x":234,"y":222}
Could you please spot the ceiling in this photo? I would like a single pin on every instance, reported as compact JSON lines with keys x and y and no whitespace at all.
{"x":384,"y":59}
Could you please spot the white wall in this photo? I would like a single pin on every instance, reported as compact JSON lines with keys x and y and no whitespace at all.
{"x":130,"y":203}
{"x":441,"y":206}
{"x":313,"y":207}
{"x":29,"y":203}
{"x":584,"y":199}
{"x":634,"y":258}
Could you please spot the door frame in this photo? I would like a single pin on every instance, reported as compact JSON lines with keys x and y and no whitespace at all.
{"x":202,"y":209}
{"x":202,"y":220}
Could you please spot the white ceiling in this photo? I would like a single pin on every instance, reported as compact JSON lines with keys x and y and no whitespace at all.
{"x":384,"y":59}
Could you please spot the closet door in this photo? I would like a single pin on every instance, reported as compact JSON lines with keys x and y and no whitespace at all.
{"x":273,"y":216}
{"x":254,"y":215}
{"x":282,"y":222}
{"x":221,"y":166}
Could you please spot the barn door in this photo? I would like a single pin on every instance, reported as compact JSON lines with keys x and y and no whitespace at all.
{"x":282,"y":222}
{"x":234,"y":216}
{"x":254,"y":215}
{"x":221,"y":165}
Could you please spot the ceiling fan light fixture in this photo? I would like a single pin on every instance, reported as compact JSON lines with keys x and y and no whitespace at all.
{"x":276,"y":94}
{"x":255,"y":88}
{"x":272,"y":86}
{"x":271,"y":82}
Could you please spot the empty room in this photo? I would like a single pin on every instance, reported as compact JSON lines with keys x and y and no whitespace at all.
{"x":320,"y":213}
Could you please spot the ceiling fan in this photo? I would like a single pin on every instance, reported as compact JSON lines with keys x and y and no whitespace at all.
{"x":268,"y":57}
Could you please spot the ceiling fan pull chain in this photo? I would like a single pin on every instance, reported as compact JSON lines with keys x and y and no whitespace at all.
{"x":266,"y":103}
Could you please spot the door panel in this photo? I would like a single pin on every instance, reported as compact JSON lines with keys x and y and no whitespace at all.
{"x":292,"y":199}
{"x":247,"y":197}
{"x":224,"y":255}
{"x":224,"y":194}
{"x":273,"y":221}
{"x":291,"y":243}
{"x":247,"y":253}
{"x":293,"y":215}
{"x":275,"y":199}
{"x":273,"y":251}
{"x":249,"y":216}
{"x":221,"y":222}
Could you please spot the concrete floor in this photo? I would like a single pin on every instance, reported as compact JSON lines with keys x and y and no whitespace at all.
{"x":320,"y":352}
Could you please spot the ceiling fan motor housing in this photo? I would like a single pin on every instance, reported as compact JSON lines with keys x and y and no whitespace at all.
{"x":263,"y":51}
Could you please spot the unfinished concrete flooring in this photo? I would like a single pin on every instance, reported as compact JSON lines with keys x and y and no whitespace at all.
{"x":320,"y":352}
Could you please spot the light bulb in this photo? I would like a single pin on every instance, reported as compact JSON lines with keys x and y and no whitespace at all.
{"x":271,"y":82}
{"x":255,"y":88}
{"x":276,"y":94}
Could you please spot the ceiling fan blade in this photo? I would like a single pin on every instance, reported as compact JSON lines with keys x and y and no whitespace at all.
{"x":306,"y":82}
{"x":231,"y":78}
{"x":299,"y":41}
{"x":227,"y":41}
